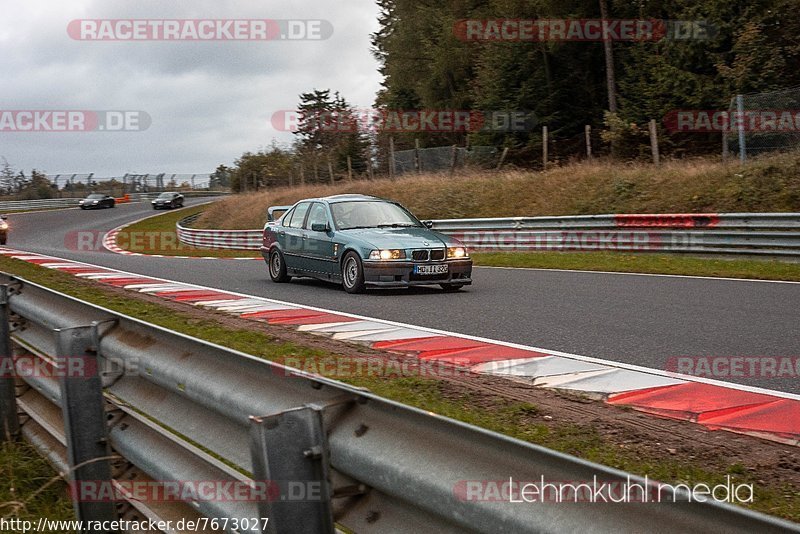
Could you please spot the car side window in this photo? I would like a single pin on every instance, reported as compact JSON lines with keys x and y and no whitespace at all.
{"x":317,"y":215}
{"x":299,"y":215}
{"x":286,"y":217}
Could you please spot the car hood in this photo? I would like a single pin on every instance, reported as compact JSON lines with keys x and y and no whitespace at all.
{"x":392,"y":238}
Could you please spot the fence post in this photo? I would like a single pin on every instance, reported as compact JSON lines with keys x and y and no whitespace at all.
{"x":589,"y":142}
{"x":502,"y":158}
{"x":654,"y":142}
{"x":740,"y":122}
{"x":83,"y":409}
{"x":453,"y":160}
{"x":349,"y":168}
{"x":330,"y":170}
{"x":544,"y":147}
{"x":302,"y":175}
{"x":290,"y":448}
{"x":417,"y":162}
{"x":391,"y":158}
{"x":8,"y":398}
{"x":726,"y":125}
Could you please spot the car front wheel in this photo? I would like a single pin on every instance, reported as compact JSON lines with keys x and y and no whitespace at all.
{"x":277,"y":267}
{"x":352,"y":273}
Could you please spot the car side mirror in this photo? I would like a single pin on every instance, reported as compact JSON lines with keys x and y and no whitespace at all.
{"x":320,"y":227}
{"x":428,"y":224}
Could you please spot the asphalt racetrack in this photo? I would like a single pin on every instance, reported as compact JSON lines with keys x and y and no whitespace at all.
{"x":640,"y":320}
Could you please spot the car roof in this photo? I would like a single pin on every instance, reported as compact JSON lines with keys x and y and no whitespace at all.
{"x":349,"y":198}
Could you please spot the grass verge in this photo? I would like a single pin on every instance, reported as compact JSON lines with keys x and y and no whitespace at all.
{"x":29,"y":487}
{"x":766,"y":184}
{"x":156,"y":235}
{"x":507,"y":416}
{"x":643,"y":263}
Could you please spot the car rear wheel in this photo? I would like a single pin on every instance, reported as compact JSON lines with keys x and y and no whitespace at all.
{"x":277,"y":267}
{"x":352,"y":273}
{"x":451,"y":287}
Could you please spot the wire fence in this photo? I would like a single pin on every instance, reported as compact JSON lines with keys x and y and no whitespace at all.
{"x":445,"y":158}
{"x":132,"y":182}
{"x":764,"y":122}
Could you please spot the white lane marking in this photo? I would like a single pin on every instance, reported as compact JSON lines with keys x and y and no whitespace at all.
{"x":640,"y":274}
{"x":620,"y":365}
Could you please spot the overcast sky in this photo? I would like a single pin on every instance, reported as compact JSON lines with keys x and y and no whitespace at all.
{"x":208,"y":101}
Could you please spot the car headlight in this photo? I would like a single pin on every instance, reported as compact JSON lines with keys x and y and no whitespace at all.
{"x":457,"y":252}
{"x":395,"y":254}
{"x":3,"y":225}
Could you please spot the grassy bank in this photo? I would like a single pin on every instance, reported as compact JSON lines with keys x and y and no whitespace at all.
{"x":768,"y":184}
{"x":156,"y":235}
{"x":523,"y":420}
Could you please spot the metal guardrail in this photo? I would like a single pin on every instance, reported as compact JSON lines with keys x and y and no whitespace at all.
{"x":775,"y":234}
{"x":174,"y":408}
{"x":19,"y":205}
{"x":141,"y":197}
{"x":227,"y":239}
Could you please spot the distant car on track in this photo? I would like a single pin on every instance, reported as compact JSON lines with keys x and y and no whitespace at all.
{"x":169,"y":200}
{"x":96,"y":200}
{"x":361,"y":241}
{"x":3,"y":229}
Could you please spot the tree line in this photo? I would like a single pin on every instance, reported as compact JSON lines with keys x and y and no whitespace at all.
{"x":614,"y":86}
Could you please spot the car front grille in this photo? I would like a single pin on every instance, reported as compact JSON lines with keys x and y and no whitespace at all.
{"x":420,"y":255}
{"x":436,"y":254}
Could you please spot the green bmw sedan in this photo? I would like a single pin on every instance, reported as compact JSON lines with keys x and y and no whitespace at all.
{"x":361,"y":241}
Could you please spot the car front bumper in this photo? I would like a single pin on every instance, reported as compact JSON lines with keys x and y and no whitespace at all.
{"x":401,"y":273}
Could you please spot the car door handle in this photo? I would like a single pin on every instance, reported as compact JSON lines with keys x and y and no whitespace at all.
{"x":281,"y":233}
{"x":305,"y":235}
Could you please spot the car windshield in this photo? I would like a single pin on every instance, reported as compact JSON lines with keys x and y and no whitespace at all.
{"x":369,"y":214}
{"x":95,"y":197}
{"x":165,"y":196}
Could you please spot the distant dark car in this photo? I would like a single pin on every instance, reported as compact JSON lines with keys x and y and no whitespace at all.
{"x":362,"y":241}
{"x":96,"y":200}
{"x":3,"y":229}
{"x":168,"y":200}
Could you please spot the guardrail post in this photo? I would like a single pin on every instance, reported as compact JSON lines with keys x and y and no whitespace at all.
{"x":290,"y":454}
{"x":9,"y":420}
{"x":83,"y":409}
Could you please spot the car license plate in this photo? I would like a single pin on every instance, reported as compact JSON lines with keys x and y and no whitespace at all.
{"x":431,"y":269}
